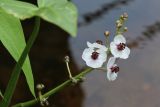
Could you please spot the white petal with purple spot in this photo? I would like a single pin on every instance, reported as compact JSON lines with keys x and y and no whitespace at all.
{"x":118,"y":47}
{"x":119,"y":39}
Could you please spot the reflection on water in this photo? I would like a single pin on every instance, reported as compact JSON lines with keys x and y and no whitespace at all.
{"x":106,"y":7}
{"x":149,"y":34}
{"x":139,"y":77}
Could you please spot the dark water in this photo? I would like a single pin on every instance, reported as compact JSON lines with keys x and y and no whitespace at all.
{"x":138,"y":83}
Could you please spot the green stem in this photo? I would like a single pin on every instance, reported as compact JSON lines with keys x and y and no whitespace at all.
{"x":1,"y":94}
{"x":53,"y":91}
{"x":68,"y":69}
{"x":17,"y":69}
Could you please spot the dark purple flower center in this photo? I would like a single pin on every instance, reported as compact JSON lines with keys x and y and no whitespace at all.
{"x":99,"y":42}
{"x":94,"y":55}
{"x":121,"y":46}
{"x":115,"y":69}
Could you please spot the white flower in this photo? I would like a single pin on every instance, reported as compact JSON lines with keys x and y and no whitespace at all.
{"x":95,"y":55}
{"x":112,"y":69}
{"x":119,"y":48}
{"x":96,"y":45}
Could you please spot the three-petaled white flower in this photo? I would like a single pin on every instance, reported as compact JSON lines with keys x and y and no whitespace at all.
{"x":112,"y":69}
{"x":95,"y":55}
{"x":118,"y":47}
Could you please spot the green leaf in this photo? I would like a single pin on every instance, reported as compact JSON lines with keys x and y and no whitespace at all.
{"x":59,"y":12}
{"x":19,"y":9}
{"x":12,"y":37}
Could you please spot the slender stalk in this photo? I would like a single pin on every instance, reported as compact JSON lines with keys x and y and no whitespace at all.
{"x":17,"y":69}
{"x":54,"y":90}
{"x":1,"y":94}
{"x":69,"y":72}
{"x":68,"y":69}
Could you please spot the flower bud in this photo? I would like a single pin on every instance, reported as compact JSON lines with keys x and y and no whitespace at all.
{"x":125,"y":29}
{"x":117,"y":22}
{"x":119,"y":25}
{"x":40,"y":87}
{"x":106,"y":33}
{"x":66,"y":58}
{"x":125,"y":15}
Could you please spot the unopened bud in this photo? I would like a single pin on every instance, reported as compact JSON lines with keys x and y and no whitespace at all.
{"x":125,"y":29}
{"x":107,"y":33}
{"x":117,"y":22}
{"x":122,"y":17}
{"x":125,"y":15}
{"x":119,"y":25}
{"x":66,"y":58}
{"x":40,"y":87}
{"x":99,"y":42}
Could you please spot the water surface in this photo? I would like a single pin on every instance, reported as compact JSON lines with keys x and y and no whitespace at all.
{"x":138,"y":82}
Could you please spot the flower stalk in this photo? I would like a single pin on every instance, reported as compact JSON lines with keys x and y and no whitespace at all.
{"x":68,"y":69}
{"x":54,"y":90}
{"x":95,"y":55}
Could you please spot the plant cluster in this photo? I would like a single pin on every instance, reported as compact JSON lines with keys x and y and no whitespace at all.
{"x":62,"y":13}
{"x":96,"y":54}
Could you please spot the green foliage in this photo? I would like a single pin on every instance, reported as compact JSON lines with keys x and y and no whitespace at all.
{"x":21,"y":10}
{"x":17,"y":69}
{"x":59,"y":12}
{"x":12,"y":37}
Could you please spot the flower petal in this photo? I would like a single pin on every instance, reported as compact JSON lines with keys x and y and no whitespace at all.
{"x":111,"y":62}
{"x":119,"y":39}
{"x":89,"y":44}
{"x":96,"y":45}
{"x":86,"y":55}
{"x":102,"y":55}
{"x":114,"y":50}
{"x":94,"y":63}
{"x":111,"y":76}
{"x":125,"y":53}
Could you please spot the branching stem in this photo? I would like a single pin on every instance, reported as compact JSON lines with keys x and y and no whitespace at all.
{"x":54,"y":90}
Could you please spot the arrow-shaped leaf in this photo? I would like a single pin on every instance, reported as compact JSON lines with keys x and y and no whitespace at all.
{"x":59,"y":12}
{"x":19,"y":9}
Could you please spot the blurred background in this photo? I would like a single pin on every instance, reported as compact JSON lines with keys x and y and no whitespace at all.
{"x":138,"y":82}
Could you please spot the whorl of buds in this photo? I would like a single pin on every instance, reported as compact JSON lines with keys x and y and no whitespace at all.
{"x":120,"y":28}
